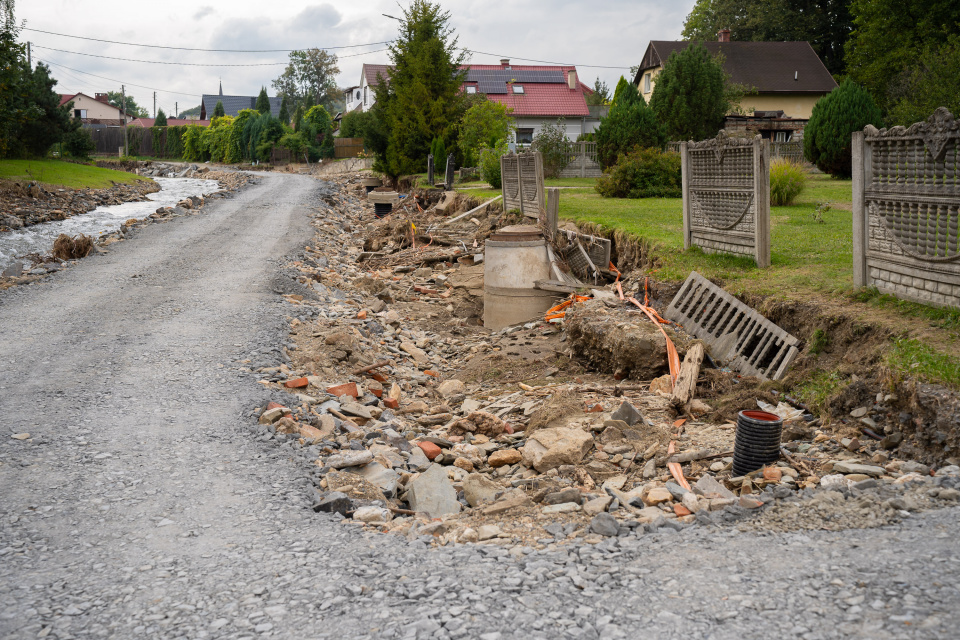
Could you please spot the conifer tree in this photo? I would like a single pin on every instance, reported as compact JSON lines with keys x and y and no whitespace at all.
{"x":631,"y":123}
{"x":218,"y":111}
{"x":827,"y":138}
{"x":691,"y":96}
{"x":161,"y":120}
{"x":284,"y":112}
{"x":263,"y":102}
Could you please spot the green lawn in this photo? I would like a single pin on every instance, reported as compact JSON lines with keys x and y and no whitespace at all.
{"x":57,"y":173}
{"x":805,"y":254}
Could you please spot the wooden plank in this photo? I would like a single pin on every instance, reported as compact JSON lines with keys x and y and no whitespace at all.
{"x":686,"y":387}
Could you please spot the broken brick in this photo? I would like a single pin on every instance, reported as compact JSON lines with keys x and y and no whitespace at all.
{"x":348,"y":389}
{"x":299,"y":383}
{"x":361,"y":315}
{"x":429,"y":449}
{"x":391,"y":403}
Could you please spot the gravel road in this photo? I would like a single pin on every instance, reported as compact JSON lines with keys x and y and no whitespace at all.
{"x":143,"y":505}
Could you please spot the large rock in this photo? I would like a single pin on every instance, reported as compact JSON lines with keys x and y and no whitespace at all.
{"x":478,"y":488}
{"x":449,"y":388}
{"x":847,"y":468}
{"x":349,"y":459}
{"x":432,"y":493}
{"x":708,"y":487}
{"x":376,"y":473}
{"x":550,"y":448}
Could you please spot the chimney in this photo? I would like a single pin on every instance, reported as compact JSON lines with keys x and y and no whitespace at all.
{"x":724,"y":35}
{"x":102,"y":97}
{"x":572,"y":78}
{"x":505,"y":63}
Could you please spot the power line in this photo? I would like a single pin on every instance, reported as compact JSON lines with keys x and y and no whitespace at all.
{"x":140,"y":86}
{"x":158,"y":46}
{"x":562,"y":64}
{"x":195,"y":64}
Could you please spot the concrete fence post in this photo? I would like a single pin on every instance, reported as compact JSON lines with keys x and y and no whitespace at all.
{"x":685,"y":192}
{"x":860,"y":152}
{"x":761,"y":201}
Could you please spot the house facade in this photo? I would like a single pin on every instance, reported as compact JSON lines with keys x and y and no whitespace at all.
{"x":785,"y":79}
{"x":537,"y":94}
{"x":93,"y":110}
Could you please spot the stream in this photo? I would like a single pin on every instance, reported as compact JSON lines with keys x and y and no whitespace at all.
{"x":39,"y":238}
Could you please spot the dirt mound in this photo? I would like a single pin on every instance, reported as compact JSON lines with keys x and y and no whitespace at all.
{"x":67,"y":248}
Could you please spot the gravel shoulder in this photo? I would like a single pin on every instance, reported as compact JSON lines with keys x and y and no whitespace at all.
{"x":143,"y":505}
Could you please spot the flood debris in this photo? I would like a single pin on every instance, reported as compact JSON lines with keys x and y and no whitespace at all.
{"x":426,"y":424}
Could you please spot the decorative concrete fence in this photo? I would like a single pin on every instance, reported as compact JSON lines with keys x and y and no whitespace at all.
{"x":582,"y":161}
{"x":522,"y":180}
{"x":906,"y":196}
{"x":726,"y":196}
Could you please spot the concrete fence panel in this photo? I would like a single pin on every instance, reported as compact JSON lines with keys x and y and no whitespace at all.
{"x":522,"y":182}
{"x":906,"y":197}
{"x":726,"y":196}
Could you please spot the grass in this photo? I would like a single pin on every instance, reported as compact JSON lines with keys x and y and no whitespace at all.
{"x":920,"y":360}
{"x":58,"y":173}
{"x":939,"y":317}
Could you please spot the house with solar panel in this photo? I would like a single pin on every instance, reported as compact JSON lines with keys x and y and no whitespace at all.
{"x":537,"y":94}
{"x":232,"y":105}
{"x":785,"y":78}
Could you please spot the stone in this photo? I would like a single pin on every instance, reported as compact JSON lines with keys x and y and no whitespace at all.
{"x":334,"y":502}
{"x":892,"y":441}
{"x":627,"y":413}
{"x":859,"y":412}
{"x":750,"y":502}
{"x":708,"y":487}
{"x":429,"y":449}
{"x":469,"y":535}
{"x":509,"y":500}
{"x":487,"y":532}
{"x":356,"y":409}
{"x":571,"y":494}
{"x":563,"y":507}
{"x":418,"y":355}
{"x":605,"y":525}
{"x":20,"y":436}
{"x":418,"y":460}
{"x":470,"y":405}
{"x":504,"y":457}
{"x":432,"y":493}
{"x":649,"y":514}
{"x":597,"y":505}
{"x":349,"y":459}
{"x":914,"y":467}
{"x":372,"y":514}
{"x":691,"y":502}
{"x":272,"y":415}
{"x":377,"y":474}
{"x":676,"y":490}
{"x":550,"y":448}
{"x":663,"y":384}
{"x":479,"y":488}
{"x":949,"y":494}
{"x":657,"y":495}
{"x":450,"y":388}
{"x":846,"y":467}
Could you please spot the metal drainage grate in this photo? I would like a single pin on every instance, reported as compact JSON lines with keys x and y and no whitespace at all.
{"x":737,"y":334}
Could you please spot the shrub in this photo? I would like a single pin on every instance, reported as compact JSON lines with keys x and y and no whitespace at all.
{"x":551,"y":142}
{"x":193,"y":149}
{"x":630,"y":123}
{"x":490,"y":164}
{"x":483,"y":121}
{"x":161,"y":119}
{"x":643,"y":173}
{"x":827,"y":137}
{"x":79,"y":143}
{"x":787,"y":180}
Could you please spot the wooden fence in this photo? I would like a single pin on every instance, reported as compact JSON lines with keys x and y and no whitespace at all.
{"x":347,"y":147}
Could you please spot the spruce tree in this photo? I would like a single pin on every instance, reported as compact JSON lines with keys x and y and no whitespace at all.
{"x":284,"y":112}
{"x":263,"y":102}
{"x":218,"y":111}
{"x":631,"y":123}
{"x":161,"y":120}
{"x":423,"y":98}
{"x":827,"y":138}
{"x":690,"y":96}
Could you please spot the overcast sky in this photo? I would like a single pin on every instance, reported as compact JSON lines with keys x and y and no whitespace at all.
{"x":604,"y":33}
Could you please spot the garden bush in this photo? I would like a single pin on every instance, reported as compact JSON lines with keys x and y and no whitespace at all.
{"x":787,"y":180}
{"x":79,"y":144}
{"x":630,"y":123}
{"x":551,"y":142}
{"x":490,"y":164}
{"x":827,"y":137}
{"x":643,"y":173}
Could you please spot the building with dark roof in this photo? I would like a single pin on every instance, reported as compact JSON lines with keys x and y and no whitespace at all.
{"x":232,"y":105}
{"x":786,"y":79}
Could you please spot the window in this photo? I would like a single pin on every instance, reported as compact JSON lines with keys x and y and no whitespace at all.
{"x":471,"y":89}
{"x":525,"y":136}
{"x":781,"y":136}
{"x":518,"y":88}
{"x":358,"y":94}
{"x":646,"y":83}
{"x":80,"y":113}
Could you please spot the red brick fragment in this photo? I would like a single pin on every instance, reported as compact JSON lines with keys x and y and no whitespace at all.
{"x":429,"y":449}
{"x":348,"y":389}
{"x":391,"y":403}
{"x":299,"y":383}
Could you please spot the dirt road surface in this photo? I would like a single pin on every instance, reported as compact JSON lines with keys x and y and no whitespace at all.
{"x":142,"y":505}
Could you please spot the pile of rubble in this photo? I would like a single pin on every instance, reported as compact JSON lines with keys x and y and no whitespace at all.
{"x":423,"y":423}
{"x":23,"y":205}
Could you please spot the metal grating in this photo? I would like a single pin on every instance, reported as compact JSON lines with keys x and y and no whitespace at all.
{"x":737,"y":334}
{"x":597,"y":248}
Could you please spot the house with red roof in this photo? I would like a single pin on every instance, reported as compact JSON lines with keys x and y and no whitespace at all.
{"x":537,"y":94}
{"x":94,"y":111}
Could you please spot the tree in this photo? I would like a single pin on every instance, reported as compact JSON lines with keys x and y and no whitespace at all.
{"x":825,"y":24}
{"x":133,"y":109}
{"x":827,"y":137}
{"x":284,"y":111}
{"x":14,"y":106}
{"x":483,"y":122}
{"x":631,"y":123}
{"x":195,"y":111}
{"x":263,"y":102}
{"x":624,"y":89}
{"x":423,"y":97}
{"x":161,"y":120}
{"x":356,"y":124}
{"x":318,"y":130}
{"x":933,"y":81}
{"x":889,"y":38}
{"x":691,"y":96}
{"x":310,"y":79}
{"x":79,"y":143}
{"x":218,"y":111}
{"x":298,"y":117}
{"x":600,"y":95}
{"x":551,"y":141}
{"x":49,"y":121}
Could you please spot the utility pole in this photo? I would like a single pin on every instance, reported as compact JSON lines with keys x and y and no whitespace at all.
{"x":123,"y":109}
{"x":154,"y":104}
{"x":29,"y":61}
{"x":176,"y":109}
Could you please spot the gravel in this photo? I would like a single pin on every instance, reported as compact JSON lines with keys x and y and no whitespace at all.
{"x":148,"y":502}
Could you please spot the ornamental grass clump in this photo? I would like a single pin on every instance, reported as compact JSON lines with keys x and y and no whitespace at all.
{"x":787,"y":180}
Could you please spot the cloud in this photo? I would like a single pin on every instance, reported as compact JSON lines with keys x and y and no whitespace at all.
{"x":203,"y":12}
{"x":299,"y":31}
